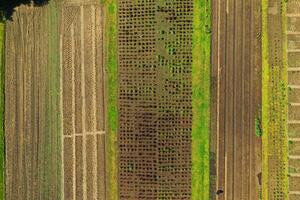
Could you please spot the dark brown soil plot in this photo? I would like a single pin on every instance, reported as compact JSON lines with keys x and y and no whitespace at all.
{"x":236,"y":71}
{"x":155,"y":99}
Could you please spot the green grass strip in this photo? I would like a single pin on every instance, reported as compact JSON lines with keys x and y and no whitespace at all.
{"x":110,"y":43}
{"x":53,"y":130}
{"x":201,"y":99}
{"x":2,"y":144}
{"x":265,"y":103}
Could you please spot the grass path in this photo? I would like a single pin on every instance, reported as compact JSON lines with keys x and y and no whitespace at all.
{"x":110,"y":49}
{"x":201,"y":99}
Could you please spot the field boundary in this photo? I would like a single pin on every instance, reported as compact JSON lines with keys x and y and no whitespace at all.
{"x":201,"y":99}
{"x":111,"y":92}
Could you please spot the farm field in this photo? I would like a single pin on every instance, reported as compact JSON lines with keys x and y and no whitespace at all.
{"x":155,"y":65}
{"x":150,"y":99}
{"x":236,"y":100}
{"x":69,"y":151}
{"x":31,"y":140}
{"x":82,"y":93}
{"x":275,"y":101}
{"x":27,"y":108}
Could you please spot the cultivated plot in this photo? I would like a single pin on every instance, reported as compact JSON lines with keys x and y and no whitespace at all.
{"x":82,"y":93}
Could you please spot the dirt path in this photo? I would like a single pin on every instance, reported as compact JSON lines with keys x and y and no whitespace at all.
{"x":236,"y":92}
{"x":293,"y":53}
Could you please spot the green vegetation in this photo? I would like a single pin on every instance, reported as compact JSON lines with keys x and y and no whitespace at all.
{"x":110,"y":16}
{"x":274,"y":109}
{"x":258,"y":125}
{"x":201,"y":99}
{"x":258,"y":130}
{"x":2,"y":145}
{"x":53,"y":131}
{"x":265,"y":103}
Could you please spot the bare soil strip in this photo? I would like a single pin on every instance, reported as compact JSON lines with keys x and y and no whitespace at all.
{"x":236,"y":102}
{"x":80,"y":26}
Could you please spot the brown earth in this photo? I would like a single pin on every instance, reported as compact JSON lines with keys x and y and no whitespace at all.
{"x":32,"y":116}
{"x":83,"y":100}
{"x":31,"y":142}
{"x":236,"y":99}
{"x":155,"y":105}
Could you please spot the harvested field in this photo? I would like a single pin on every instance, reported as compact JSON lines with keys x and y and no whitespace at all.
{"x":83,"y":111}
{"x":293,"y":70}
{"x":275,"y":101}
{"x":32,"y":142}
{"x":155,"y":99}
{"x":236,"y":83}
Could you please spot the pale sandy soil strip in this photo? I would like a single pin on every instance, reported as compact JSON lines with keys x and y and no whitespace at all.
{"x":83,"y":101}
{"x":293,"y":157}
{"x":86,"y":133}
{"x":94,"y":68}
{"x":293,"y":50}
{"x":293,"y":15}
{"x":294,"y":139}
{"x":294,"y":174}
{"x":294,"y":122}
{"x":295,"y":104}
{"x":73,"y":106}
{"x":293,"y":69}
{"x":293,"y":32}
{"x":61,"y":104}
{"x":294,"y":86}
{"x":294,"y":192}
{"x":94,"y":103}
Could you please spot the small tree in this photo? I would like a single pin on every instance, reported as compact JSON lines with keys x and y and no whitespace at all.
{"x":7,"y":7}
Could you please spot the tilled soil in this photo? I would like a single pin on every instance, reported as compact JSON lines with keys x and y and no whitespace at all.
{"x":236,"y":71}
{"x":32,"y":164}
{"x":83,"y":101}
{"x":155,"y":99}
{"x":54,"y":118}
